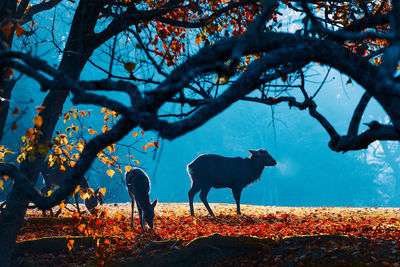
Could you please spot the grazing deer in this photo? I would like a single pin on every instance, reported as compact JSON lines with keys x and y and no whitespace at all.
{"x":52,"y":176}
{"x":138,"y":184}
{"x":216,"y":171}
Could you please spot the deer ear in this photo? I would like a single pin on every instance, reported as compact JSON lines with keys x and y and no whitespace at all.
{"x":154,"y":203}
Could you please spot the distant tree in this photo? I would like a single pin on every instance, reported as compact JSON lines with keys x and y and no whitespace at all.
{"x":249,"y":51}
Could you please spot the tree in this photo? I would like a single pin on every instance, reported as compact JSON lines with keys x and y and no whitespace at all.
{"x":246,"y":53}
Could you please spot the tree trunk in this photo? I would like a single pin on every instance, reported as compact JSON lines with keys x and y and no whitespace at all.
{"x":72,"y":63}
{"x":7,"y":8}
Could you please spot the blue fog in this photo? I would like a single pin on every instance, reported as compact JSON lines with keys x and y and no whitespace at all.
{"x":308,"y":172}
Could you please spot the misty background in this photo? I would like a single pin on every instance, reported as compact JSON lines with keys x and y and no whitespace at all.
{"x":308,"y":173}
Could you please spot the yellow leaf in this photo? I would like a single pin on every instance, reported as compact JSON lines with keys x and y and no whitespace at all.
{"x":38,"y":121}
{"x":91,"y":131}
{"x":104,"y":128}
{"x":49,"y":193}
{"x":110,"y":173}
{"x":61,"y":205}
{"x":72,"y":163}
{"x":128,"y":168}
{"x":136,"y":161}
{"x":103,"y":109}
{"x":135,"y":134}
{"x":1,"y":185}
{"x":129,"y":66}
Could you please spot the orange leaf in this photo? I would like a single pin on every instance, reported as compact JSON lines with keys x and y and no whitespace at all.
{"x":157,"y":144}
{"x":135,"y":134}
{"x":136,"y":161}
{"x":129,"y":66}
{"x":103,"y":109}
{"x":106,"y":241}
{"x":61,"y":205}
{"x":104,"y":128}
{"x":72,"y":163}
{"x":40,"y":109}
{"x":119,"y":216}
{"x":15,"y":112}
{"x":62,"y":168}
{"x":128,"y":168}
{"x":19,"y":31}
{"x":38,"y":121}
{"x":103,"y":191}
{"x":10,"y":73}
{"x":110,"y":173}
{"x":70,"y":244}
{"x":81,"y":227}
{"x":91,"y":131}
{"x":29,"y":134}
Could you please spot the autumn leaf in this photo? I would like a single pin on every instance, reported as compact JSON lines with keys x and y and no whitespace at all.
{"x":81,"y":227}
{"x":156,"y":144}
{"x":75,"y":215}
{"x":7,"y":29}
{"x":107,"y":242}
{"x":136,"y":161}
{"x":29,"y":134}
{"x":1,"y":185}
{"x":70,"y":244}
{"x":142,"y":133}
{"x":91,"y":131}
{"x":110,"y":173}
{"x":14,"y":126}
{"x":10,"y":73}
{"x":72,"y":163}
{"x":38,"y":121}
{"x":103,"y":109}
{"x":62,"y":168}
{"x":103,"y":191}
{"x":40,"y":109}
{"x":15,"y":112}
{"x":19,"y":31}
{"x":135,"y":134}
{"x":128,"y":168}
{"x":61,"y":205}
{"x":129,"y":66}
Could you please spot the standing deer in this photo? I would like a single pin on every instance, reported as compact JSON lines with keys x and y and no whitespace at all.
{"x":52,"y":176}
{"x":216,"y":171}
{"x":138,"y":184}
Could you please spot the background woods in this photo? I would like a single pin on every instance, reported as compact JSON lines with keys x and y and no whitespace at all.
{"x":171,"y":66}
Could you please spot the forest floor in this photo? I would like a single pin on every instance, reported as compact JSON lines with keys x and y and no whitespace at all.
{"x":262,"y":236}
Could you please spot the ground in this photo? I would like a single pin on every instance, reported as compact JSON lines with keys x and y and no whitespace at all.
{"x":280,"y":236}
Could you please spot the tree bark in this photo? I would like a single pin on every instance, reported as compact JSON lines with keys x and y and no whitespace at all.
{"x":76,"y":54}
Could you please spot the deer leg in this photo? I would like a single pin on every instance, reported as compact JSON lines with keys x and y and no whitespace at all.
{"x":203,"y":197}
{"x":142,"y":223}
{"x":132,"y":208}
{"x":236,"y":195}
{"x":192,"y":192}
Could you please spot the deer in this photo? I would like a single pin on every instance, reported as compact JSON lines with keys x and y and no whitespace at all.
{"x":53,"y":176}
{"x":138,"y":185}
{"x":209,"y":170}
